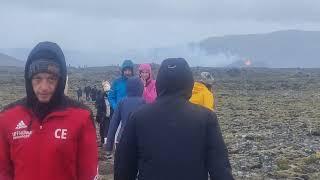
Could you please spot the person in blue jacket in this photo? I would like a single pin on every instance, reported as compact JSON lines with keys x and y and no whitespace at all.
{"x":118,"y":87}
{"x":125,"y":107}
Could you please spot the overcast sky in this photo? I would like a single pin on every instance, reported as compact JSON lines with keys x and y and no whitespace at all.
{"x":104,"y":25}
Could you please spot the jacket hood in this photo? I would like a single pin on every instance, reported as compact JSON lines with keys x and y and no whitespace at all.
{"x":199,"y":87}
{"x":146,"y":67}
{"x":50,"y":52}
{"x":175,"y":78}
{"x":127,"y":64}
{"x":134,"y":87}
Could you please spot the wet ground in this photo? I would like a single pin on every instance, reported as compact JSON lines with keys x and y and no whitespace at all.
{"x":270,"y":118}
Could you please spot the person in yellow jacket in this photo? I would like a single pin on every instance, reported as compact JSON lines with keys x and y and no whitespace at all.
{"x":202,"y":91}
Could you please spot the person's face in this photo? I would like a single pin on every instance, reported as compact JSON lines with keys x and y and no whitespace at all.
{"x":44,"y":86}
{"x":144,"y":75}
{"x":127,"y":72}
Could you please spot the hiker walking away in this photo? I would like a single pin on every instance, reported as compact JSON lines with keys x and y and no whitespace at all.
{"x":93,"y":92}
{"x":149,"y":92}
{"x":202,"y":91}
{"x":172,"y":138}
{"x":126,"y":106}
{"x":87,"y":90}
{"x":118,"y":88}
{"x":47,"y":135}
{"x":79,"y":93}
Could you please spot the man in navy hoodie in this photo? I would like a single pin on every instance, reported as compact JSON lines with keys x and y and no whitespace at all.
{"x":125,"y":107}
{"x":172,"y":139}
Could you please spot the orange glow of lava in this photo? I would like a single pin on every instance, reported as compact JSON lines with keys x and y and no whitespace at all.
{"x":247,"y":63}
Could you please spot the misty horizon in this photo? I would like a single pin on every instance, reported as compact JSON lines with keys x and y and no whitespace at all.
{"x":108,"y":32}
{"x":230,"y":51}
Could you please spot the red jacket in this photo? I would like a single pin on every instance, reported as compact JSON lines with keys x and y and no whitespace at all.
{"x":62,"y":147}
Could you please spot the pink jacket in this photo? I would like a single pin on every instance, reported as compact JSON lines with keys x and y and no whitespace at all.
{"x":149,"y":93}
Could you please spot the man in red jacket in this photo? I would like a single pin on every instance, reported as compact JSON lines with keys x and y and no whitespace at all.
{"x":46,"y":135}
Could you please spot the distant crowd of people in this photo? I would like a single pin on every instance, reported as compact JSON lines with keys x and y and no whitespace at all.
{"x":90,"y":93}
{"x":156,"y":128}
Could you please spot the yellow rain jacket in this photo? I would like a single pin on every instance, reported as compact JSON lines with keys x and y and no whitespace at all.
{"x":202,"y":96}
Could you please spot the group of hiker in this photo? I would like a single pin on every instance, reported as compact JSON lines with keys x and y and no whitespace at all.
{"x":167,"y":127}
{"x":90,"y":93}
{"x":128,"y":93}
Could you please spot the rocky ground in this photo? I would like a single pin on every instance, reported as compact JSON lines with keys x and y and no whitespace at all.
{"x":269,"y":117}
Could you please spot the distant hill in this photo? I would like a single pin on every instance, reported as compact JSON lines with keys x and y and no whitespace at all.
{"x":291,"y":48}
{"x":73,"y":57}
{"x":6,"y":60}
{"x":287,"y":49}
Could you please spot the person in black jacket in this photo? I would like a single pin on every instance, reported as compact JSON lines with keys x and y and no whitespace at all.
{"x":172,"y":139}
{"x":87,"y":90}
{"x":93,"y":92}
{"x":101,"y":116}
{"x":79,"y":93}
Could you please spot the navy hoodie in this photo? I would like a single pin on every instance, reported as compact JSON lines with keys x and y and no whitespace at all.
{"x":125,"y":107}
{"x":46,"y":50}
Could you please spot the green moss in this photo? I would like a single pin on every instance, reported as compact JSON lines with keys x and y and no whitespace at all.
{"x":283,"y":164}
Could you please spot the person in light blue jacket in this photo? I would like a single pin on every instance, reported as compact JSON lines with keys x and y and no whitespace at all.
{"x":119,"y":86}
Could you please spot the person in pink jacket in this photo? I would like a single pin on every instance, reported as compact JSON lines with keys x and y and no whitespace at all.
{"x":145,"y":73}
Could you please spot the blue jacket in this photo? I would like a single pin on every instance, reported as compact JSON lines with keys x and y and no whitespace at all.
{"x":117,"y":91}
{"x":118,"y":88}
{"x":126,"y":106}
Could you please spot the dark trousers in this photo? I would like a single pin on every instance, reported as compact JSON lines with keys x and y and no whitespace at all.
{"x":103,"y":128}
{"x":109,"y":119}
